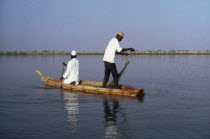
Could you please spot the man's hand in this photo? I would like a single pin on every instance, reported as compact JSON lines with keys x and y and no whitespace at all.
{"x":126,"y":54}
{"x":131,"y":49}
{"x":64,"y":64}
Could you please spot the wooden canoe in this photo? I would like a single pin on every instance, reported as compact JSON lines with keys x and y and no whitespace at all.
{"x":93,"y":87}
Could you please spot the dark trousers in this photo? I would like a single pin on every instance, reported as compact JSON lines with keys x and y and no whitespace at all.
{"x":110,"y":67}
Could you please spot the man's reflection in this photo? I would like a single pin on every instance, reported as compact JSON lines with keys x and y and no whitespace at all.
{"x":111,"y":130}
{"x":115,"y":119}
{"x":71,"y":104}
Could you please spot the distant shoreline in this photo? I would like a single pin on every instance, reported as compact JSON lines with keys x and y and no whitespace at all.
{"x":148,"y":52}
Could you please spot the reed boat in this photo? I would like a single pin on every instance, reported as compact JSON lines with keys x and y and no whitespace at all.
{"x":92,"y":87}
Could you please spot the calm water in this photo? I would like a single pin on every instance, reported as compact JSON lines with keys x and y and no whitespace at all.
{"x":176,"y":104}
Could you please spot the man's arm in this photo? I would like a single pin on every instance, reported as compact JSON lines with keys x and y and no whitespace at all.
{"x":127,"y":49}
{"x":122,"y":52}
{"x":68,"y":69}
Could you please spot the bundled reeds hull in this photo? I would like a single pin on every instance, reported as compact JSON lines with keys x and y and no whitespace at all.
{"x":93,"y":87}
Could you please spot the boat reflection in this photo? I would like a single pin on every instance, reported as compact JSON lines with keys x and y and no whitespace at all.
{"x":71,"y":104}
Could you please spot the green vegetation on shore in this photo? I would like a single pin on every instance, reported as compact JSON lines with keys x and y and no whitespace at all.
{"x":147,"y":52}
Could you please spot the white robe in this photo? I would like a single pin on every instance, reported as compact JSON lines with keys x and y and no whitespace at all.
{"x":113,"y":46}
{"x":72,"y":72}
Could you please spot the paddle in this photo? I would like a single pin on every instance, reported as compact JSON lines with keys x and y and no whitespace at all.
{"x":62,"y":75}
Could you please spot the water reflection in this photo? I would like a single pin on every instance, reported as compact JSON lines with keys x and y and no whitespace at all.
{"x":111,"y":120}
{"x":115,"y":119}
{"x":71,"y":104}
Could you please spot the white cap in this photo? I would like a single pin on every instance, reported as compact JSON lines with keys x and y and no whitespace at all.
{"x":73,"y":53}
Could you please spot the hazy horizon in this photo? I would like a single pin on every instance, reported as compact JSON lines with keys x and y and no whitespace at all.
{"x":104,"y":50}
{"x":36,"y":25}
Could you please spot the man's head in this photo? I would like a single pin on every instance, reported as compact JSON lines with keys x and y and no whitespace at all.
{"x":120,"y":36}
{"x":73,"y":54}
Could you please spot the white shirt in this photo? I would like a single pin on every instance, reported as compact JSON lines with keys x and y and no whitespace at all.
{"x":113,"y":46}
{"x":72,"y":72}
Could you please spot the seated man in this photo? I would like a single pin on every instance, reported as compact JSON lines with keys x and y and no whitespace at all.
{"x":72,"y":71}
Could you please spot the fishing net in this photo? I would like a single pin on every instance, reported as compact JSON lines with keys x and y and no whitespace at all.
{"x":121,"y":72}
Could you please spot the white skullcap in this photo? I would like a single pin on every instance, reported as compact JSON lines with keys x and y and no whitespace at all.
{"x":73,"y":53}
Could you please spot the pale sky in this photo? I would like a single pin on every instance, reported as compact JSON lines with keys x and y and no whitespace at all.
{"x":88,"y":25}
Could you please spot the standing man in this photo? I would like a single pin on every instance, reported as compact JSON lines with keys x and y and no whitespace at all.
{"x":109,"y":58}
{"x":71,"y":75}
